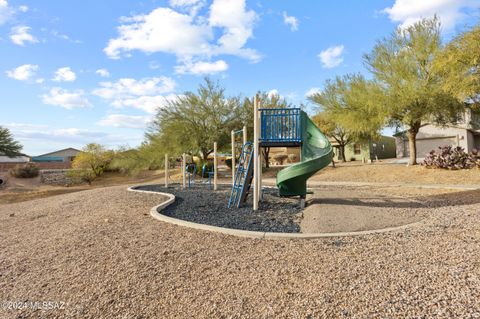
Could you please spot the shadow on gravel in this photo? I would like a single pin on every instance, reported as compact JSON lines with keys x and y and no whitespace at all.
{"x":470,"y":197}
{"x":367,"y":202}
{"x":432,"y":201}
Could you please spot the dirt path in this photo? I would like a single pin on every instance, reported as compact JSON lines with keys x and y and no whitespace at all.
{"x":101,"y":254}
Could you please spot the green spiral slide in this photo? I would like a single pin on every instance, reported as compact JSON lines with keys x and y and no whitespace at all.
{"x":316,"y":153}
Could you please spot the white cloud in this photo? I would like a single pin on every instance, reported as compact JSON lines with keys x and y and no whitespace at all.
{"x":237,"y":23}
{"x":23,"y":72}
{"x":202,"y":67}
{"x":225,"y":30}
{"x":5,"y":12}
{"x":103,"y":73}
{"x":68,"y":99}
{"x":132,"y":87}
{"x":39,"y":139}
{"x":450,"y":12}
{"x":153,"y":65}
{"x":290,"y":21}
{"x":190,"y":6}
{"x":23,"y":8}
{"x":332,"y":56}
{"x":312,"y":91}
{"x":162,"y":30}
{"x":20,"y":35}
{"x":148,"y":104}
{"x":64,"y":74}
{"x":145,"y":94}
{"x":184,"y":3}
{"x":125,"y":121}
{"x":273,"y":92}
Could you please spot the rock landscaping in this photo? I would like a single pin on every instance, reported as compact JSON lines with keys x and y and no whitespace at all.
{"x":55,"y":177}
{"x":101,"y":255}
{"x":202,"y":205}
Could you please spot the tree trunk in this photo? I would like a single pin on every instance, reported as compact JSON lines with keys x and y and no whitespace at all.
{"x":412,"y":142}
{"x":266,"y":155}
{"x":341,"y":153}
{"x":205,"y":154}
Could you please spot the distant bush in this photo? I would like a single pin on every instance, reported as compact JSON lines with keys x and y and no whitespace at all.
{"x":93,"y":157}
{"x":292,"y":158}
{"x":26,"y":171}
{"x":280,"y":158}
{"x":78,"y":176}
{"x":448,"y":157}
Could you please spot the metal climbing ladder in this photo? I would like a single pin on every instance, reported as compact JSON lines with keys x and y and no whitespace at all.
{"x":243,"y":177}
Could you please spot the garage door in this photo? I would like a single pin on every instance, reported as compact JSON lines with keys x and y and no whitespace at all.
{"x":424,"y":146}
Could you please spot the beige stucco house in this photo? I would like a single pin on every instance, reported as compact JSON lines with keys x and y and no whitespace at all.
{"x":465,"y":134}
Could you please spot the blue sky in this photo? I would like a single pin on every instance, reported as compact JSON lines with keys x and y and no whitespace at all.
{"x":94,"y":71}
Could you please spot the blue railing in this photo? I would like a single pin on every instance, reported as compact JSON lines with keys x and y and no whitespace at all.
{"x":280,"y":125}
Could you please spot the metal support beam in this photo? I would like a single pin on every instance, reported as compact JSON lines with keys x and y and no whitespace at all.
{"x":215,"y":166}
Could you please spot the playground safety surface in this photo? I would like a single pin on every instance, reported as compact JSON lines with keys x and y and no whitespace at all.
{"x":330,"y":209}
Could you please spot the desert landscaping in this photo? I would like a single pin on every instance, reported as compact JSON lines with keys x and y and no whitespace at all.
{"x":240,"y":159}
{"x":101,"y":254}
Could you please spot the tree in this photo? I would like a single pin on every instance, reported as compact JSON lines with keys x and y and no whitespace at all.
{"x":459,"y":64}
{"x":192,"y":122}
{"x":94,"y":158}
{"x":349,"y":110}
{"x":333,"y":130}
{"x":412,"y":92}
{"x":8,"y":145}
{"x":267,"y":101}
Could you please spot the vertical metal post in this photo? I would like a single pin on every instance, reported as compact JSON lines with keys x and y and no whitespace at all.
{"x":166,"y":170}
{"x":184,"y":163}
{"x":244,"y":135}
{"x":215,"y":166}
{"x":233,"y":157}
{"x":255,"y":153}
{"x":260,"y":155}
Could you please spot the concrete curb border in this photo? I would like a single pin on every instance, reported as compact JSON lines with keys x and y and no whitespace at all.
{"x":155,"y":213}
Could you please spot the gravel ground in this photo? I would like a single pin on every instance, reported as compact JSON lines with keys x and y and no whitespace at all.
{"x":101,"y":254}
{"x":204,"y":206}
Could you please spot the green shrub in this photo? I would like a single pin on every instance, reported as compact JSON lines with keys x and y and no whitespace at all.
{"x":78,"y":176}
{"x":25,"y":171}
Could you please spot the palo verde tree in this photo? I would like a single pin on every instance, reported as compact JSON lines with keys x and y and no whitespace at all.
{"x":402,"y":65}
{"x":192,"y":122}
{"x":348,"y":110}
{"x":8,"y":145}
{"x":459,"y":65}
{"x":94,"y":158}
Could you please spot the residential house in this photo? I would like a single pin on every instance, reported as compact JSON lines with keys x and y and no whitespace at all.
{"x":465,"y":134}
{"x":381,"y":148}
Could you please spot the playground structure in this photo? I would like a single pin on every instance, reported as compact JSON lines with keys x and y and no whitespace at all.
{"x":189,"y":171}
{"x":280,"y":127}
{"x":273,"y":127}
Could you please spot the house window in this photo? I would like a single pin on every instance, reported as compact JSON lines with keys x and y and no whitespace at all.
{"x":357,"y":149}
